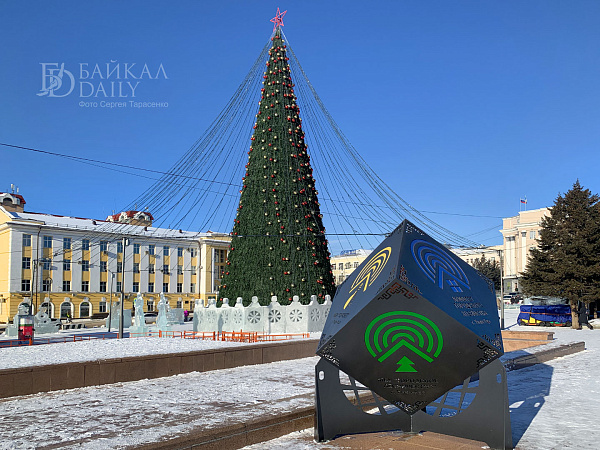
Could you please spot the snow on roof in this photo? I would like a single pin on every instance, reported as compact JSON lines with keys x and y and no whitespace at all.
{"x":130,"y":214}
{"x":102,"y":226}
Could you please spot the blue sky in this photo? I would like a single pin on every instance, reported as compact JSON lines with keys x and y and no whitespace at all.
{"x":463,"y":107}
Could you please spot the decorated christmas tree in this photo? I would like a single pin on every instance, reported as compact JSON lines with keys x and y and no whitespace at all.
{"x":278,"y":244}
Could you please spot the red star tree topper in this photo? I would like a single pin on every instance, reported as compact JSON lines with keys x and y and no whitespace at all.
{"x":278,"y":19}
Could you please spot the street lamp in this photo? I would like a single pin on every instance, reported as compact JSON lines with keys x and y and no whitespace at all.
{"x":125,"y":242}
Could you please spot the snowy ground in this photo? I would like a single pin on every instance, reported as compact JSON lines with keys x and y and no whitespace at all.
{"x":96,"y":349}
{"x":552,"y":404}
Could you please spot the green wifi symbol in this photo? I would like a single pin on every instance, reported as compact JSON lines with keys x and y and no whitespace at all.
{"x":395,"y":330}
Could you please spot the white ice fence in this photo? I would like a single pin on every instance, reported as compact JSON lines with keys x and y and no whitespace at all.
{"x":274,"y":318}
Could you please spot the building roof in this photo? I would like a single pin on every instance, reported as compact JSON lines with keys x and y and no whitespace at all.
{"x":351,"y":253}
{"x":100,"y":226}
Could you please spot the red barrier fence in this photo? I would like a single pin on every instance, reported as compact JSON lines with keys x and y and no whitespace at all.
{"x":228,"y":336}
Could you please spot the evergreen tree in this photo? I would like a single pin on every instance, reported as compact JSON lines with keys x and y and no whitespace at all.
{"x":489,"y":269}
{"x":278,"y":244}
{"x":567,"y":260}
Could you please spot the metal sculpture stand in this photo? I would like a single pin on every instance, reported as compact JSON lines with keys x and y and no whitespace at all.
{"x":485,"y":419}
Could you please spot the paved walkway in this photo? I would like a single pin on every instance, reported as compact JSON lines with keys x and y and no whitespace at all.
{"x":134,"y":414}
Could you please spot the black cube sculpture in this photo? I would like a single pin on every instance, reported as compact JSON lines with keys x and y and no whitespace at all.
{"x":412,"y":321}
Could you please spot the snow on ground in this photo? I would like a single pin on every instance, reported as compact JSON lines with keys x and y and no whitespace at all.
{"x":97,"y":349}
{"x":552,"y":405}
{"x":130,"y":414}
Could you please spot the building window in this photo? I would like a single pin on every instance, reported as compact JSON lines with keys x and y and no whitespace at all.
{"x":340,"y":266}
{"x":192,"y":288}
{"x":65,"y":310}
{"x":47,"y":241}
{"x":66,"y":243}
{"x":151,"y":268}
{"x":193,"y":270}
{"x":85,"y":265}
{"x":532,"y":234}
{"x":165,"y":269}
{"x":165,"y":287}
{"x":219,"y":256}
{"x":103,"y":246}
{"x":85,"y":244}
{"x":102,"y":266}
{"x":179,"y":287}
{"x":166,"y":250}
{"x":136,"y":267}
{"x":151,"y":249}
{"x":179,"y":304}
{"x":355,"y":264}
{"x":26,"y":263}
{"x":46,"y":284}
{"x":47,"y":264}
{"x":179,"y":251}
{"x":85,"y":309}
{"x":102,"y":288}
{"x":25,"y":285}
{"x":119,"y":267}
{"x":193,"y":252}
{"x":179,"y":270}
{"x":150,"y":287}
{"x":85,"y":286}
{"x":67,"y":264}
{"x":136,"y":249}
{"x":66,"y":286}
{"x":136,"y":286}
{"x":119,"y":285}
{"x":102,"y":305}
{"x":348,"y":265}
{"x":119,"y":247}
{"x":26,"y":240}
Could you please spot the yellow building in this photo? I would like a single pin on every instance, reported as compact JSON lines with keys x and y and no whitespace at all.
{"x":344,"y":264}
{"x":72,"y":265}
{"x":521,"y":234}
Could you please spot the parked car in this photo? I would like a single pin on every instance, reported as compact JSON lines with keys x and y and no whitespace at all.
{"x":150,"y":317}
{"x":512,"y":298}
